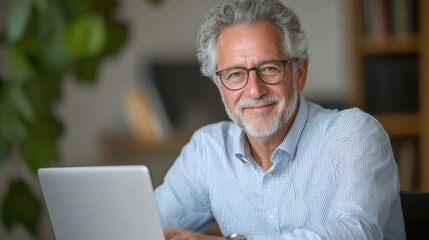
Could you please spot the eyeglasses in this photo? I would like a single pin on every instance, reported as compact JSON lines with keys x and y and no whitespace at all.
{"x":269,"y":72}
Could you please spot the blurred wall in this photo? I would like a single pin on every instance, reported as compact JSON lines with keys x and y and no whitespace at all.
{"x":169,"y":31}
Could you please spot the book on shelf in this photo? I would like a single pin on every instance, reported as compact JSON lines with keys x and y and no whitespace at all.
{"x":144,"y":122}
{"x":391,"y":83}
{"x":389,"y":17}
{"x":403,"y":16}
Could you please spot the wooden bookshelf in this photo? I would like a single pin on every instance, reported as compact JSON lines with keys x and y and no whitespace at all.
{"x":399,"y":124}
{"x":402,"y":123}
{"x":126,"y":143}
{"x":385,"y":45}
{"x":118,"y":149}
{"x":424,"y":96}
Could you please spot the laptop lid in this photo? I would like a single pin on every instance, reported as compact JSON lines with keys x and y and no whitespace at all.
{"x":101,"y":203}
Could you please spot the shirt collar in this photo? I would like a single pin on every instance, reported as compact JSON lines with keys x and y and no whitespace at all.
{"x":290,"y":142}
{"x":241,"y":145}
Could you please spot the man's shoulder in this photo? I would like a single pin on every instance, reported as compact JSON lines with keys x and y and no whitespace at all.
{"x":340,"y":120}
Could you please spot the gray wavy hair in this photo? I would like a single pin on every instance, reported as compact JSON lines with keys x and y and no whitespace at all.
{"x":248,"y":12}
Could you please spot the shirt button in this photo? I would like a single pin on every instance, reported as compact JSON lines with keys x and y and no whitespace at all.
{"x":269,"y":175}
{"x":271,"y":217}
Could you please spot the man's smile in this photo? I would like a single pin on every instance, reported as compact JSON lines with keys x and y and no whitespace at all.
{"x":260,"y":108}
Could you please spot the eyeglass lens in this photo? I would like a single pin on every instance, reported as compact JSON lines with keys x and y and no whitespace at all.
{"x":269,"y":72}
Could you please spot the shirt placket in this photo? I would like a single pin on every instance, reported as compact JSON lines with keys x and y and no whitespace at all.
{"x":269,"y":193}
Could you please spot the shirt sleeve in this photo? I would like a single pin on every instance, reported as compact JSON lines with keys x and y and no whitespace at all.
{"x":367,"y":187}
{"x":182,"y":198}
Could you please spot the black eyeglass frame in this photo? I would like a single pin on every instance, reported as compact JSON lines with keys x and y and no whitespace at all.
{"x":218,"y":73}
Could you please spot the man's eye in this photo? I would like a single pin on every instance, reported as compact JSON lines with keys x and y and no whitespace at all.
{"x":269,"y":69}
{"x":234,"y":74}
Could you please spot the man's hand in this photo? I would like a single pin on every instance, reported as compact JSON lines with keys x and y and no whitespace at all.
{"x":180,"y":234}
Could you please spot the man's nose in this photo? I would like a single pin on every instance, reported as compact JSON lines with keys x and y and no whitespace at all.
{"x":255,"y":87}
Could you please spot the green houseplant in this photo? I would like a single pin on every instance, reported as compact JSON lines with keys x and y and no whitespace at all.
{"x":43,"y":41}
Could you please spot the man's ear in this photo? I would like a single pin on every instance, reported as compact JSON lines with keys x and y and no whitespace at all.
{"x":301,"y":75}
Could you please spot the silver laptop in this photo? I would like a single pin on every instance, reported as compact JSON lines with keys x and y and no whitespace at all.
{"x":101,"y":203}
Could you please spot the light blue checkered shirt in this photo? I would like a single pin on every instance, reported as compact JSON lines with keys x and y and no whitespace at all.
{"x":333,"y":177}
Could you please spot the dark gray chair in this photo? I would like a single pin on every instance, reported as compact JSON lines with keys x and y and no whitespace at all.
{"x":415,"y":206}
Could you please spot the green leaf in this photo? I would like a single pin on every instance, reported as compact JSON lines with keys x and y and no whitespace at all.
{"x":5,"y":149}
{"x":98,"y":35}
{"x":17,"y":110}
{"x":2,"y":37}
{"x":85,"y":36}
{"x":20,"y":100}
{"x":12,"y":126}
{"x":48,"y":90}
{"x":86,"y":70}
{"x":39,"y":149}
{"x":155,"y":2}
{"x":116,"y":36}
{"x":17,"y":18}
{"x":51,"y":20}
{"x":106,"y":6}
{"x":5,"y":144}
{"x":41,"y":5}
{"x":19,"y":66}
{"x":20,"y":206}
{"x":39,"y":152}
{"x":56,"y":16}
{"x":55,"y":59}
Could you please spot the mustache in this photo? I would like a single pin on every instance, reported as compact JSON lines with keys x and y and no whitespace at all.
{"x":249,"y":102}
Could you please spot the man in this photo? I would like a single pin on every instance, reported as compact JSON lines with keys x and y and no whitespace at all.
{"x":285,"y":168}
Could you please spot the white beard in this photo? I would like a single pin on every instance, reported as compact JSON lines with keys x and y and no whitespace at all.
{"x":264,"y":128}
